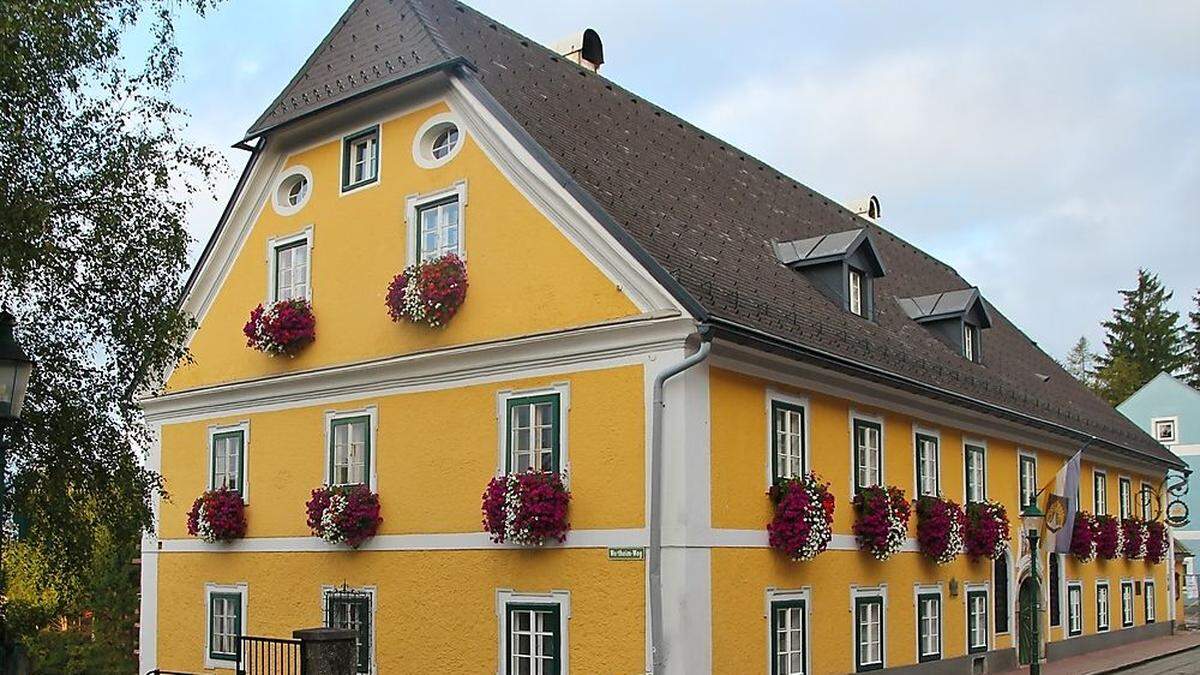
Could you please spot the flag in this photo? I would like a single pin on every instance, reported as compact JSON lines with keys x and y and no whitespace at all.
{"x":1062,"y":501}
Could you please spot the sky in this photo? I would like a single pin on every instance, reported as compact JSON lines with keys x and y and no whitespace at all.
{"x":1046,"y":154}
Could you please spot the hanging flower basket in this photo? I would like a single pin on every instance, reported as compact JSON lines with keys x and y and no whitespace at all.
{"x":1133,"y":532}
{"x":281,"y":329}
{"x":344,"y":514}
{"x":1109,"y":539}
{"x":940,"y":524}
{"x":882,"y":520}
{"x":428,"y":292}
{"x":986,"y":534}
{"x":1083,"y":537}
{"x":803,"y":522}
{"x":527,"y":508}
{"x":218,"y":515}
{"x":1156,"y":542}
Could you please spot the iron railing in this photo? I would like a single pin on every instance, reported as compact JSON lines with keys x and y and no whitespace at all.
{"x":268,"y":656}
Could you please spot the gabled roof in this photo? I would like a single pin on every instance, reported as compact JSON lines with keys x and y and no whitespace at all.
{"x":826,"y":248}
{"x":1166,"y":382}
{"x":699,"y":213}
{"x":938,"y":306}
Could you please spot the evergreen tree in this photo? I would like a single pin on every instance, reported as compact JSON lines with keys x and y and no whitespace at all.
{"x":1191,"y":345}
{"x":1142,"y":339}
{"x":1080,"y":361}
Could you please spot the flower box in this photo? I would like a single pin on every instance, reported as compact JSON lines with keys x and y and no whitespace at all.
{"x":881,"y":525}
{"x":429,"y":292}
{"x":283,"y":328}
{"x":344,"y":514}
{"x":1157,"y":542}
{"x":803,"y":521}
{"x":528,"y":508}
{"x":940,"y":524}
{"x":1133,"y":533}
{"x":218,"y":515}
{"x":1083,"y":537}
{"x":987,"y":531}
{"x":1109,"y":540}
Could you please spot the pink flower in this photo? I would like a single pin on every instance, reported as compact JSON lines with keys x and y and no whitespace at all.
{"x":1083,"y":537}
{"x":429,"y":292}
{"x":1156,"y":542}
{"x":803,"y":522}
{"x":1108,"y":537}
{"x":940,"y":528}
{"x":218,"y":515}
{"x":882,"y":523}
{"x":283,"y":328}
{"x":987,"y":532}
{"x":344,"y":514}
{"x":1133,"y":533}
{"x":526,"y":508}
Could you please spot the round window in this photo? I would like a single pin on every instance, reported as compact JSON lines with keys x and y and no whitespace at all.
{"x":445,"y":141}
{"x":437,"y":141}
{"x":297,"y":191}
{"x":292,"y":191}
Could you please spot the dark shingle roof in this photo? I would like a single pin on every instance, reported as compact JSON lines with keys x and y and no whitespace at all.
{"x":818,"y":248}
{"x":939,"y":305}
{"x":707,"y":213}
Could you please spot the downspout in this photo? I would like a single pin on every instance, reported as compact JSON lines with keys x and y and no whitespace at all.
{"x":654,"y":551}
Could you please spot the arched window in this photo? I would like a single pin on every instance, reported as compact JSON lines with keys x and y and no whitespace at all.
{"x":1055,"y":582}
{"x":1001,"y":599}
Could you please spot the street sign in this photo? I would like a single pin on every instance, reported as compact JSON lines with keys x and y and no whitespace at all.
{"x":626,"y":553}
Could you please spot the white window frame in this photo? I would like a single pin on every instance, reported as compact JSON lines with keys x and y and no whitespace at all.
{"x":1124,"y":509}
{"x":857,"y":415}
{"x":774,"y":595}
{"x":1096,"y":504}
{"x":1070,"y":629}
{"x":242,"y":588}
{"x":348,"y":187}
{"x":371,"y":412}
{"x":937,"y":435}
{"x":507,"y":596}
{"x":423,"y":140}
{"x":1103,"y":583}
{"x":855,"y":292}
{"x":857,"y":592}
{"x":412,"y":224}
{"x":244,"y":428}
{"x":774,"y":396}
{"x":372,"y":591}
{"x":1145,"y":499}
{"x":1174,"y":429}
{"x":987,"y":614}
{"x":279,"y":198}
{"x":1030,"y":454}
{"x":563,"y":390}
{"x":1128,"y":584}
{"x":930,"y":589}
{"x":275,"y":243}
{"x":981,"y":444}
{"x":1149,"y":601}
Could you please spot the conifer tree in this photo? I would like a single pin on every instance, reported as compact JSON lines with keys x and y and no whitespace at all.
{"x":1191,"y":345}
{"x":1080,"y":361}
{"x":1143,"y":339}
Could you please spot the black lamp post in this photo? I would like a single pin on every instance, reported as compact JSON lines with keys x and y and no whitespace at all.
{"x":1031,"y":515}
{"x":15,"y":369}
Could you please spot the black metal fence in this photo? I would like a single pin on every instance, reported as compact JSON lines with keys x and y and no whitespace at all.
{"x":268,"y":656}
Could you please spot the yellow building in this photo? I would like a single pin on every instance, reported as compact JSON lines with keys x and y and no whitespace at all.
{"x":615,"y":254}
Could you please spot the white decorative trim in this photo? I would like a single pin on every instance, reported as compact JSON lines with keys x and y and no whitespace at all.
{"x":422,"y":145}
{"x":412,"y":225}
{"x":243,"y":427}
{"x":505,"y":597}
{"x":1174,"y":420}
{"x":856,"y":414}
{"x":560,"y":389}
{"x":371,"y":412}
{"x":278,"y":198}
{"x":1186,"y":450}
{"x":450,"y":541}
{"x":773,"y":595}
{"x":374,"y":593}
{"x":273,"y":245}
{"x":856,"y":592}
{"x":148,"y":608}
{"x":773,"y":395}
{"x":243,"y":590}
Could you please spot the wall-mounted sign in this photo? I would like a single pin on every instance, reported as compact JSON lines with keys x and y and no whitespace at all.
{"x":1177,"y":514}
{"x":626,"y":553}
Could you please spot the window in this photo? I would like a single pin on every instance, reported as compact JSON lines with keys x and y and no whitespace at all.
{"x":855,"y":295}
{"x":1055,"y":589}
{"x":1125,"y":494}
{"x":1028,"y":479}
{"x":439,"y":229}
{"x":977,"y":620}
{"x":1102,"y":606}
{"x":297,"y":191}
{"x":444,"y":142}
{"x":927,"y":465}
{"x":975,"y":459}
{"x":360,"y":159}
{"x":292,"y":191}
{"x":789,"y":637}
{"x":868,"y":633}
{"x":929,"y":626}
{"x":1126,"y":604}
{"x":228,"y":460}
{"x":291,"y":269}
{"x":1164,"y":430}
{"x":1100,"y":493}
{"x":353,"y":610}
{"x":1074,"y":609}
{"x":534,"y":639}
{"x":787,"y":440}
{"x":533,"y":433}
{"x":350,"y":449}
{"x":868,"y":454}
{"x":1000,"y":583}
{"x":1148,"y":596}
{"x":1146,"y":499}
{"x":226,"y":614}
{"x":971,"y":342}
{"x":437,"y":141}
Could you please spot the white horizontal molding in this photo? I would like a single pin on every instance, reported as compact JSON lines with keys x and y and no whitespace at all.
{"x":1185,"y":450}
{"x":721,"y":538}
{"x":597,"y":346}
{"x":1186,"y":535}
{"x":453,"y":541}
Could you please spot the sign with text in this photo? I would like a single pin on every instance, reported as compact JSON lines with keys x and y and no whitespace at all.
{"x":626,"y":553}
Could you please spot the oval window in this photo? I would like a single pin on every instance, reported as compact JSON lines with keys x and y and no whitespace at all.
{"x":437,"y":141}
{"x":445,"y":141}
{"x":292,"y":191}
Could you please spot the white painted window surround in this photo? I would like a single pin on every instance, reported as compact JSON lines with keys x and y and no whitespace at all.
{"x":215,"y":627}
{"x":507,"y":597}
{"x":440,"y":214}
{"x":289,"y":266}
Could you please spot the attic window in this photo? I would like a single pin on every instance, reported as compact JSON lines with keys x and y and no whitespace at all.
{"x":955,"y":317}
{"x":842,"y":266}
{"x":438,"y":140}
{"x":856,"y":293}
{"x":360,"y":159}
{"x":970,"y":341}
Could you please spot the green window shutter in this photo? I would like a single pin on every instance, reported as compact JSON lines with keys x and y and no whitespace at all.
{"x":782,"y":663}
{"x":219,"y":602}
{"x":861,"y":451}
{"x":218,"y":442}
{"x":779,"y":413}
{"x":364,"y":421}
{"x":925,"y":445}
{"x":923,"y":626}
{"x":548,"y":643}
{"x":864,"y":662}
{"x":348,"y":183}
{"x":511,"y":410}
{"x":977,"y":635}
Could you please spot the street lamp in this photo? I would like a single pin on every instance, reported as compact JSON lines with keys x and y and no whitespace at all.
{"x":15,"y":369}
{"x":1031,"y":514}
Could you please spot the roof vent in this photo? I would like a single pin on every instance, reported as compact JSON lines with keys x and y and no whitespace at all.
{"x":867,"y":207}
{"x":583,"y":48}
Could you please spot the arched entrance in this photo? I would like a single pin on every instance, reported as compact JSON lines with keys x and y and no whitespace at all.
{"x":1027,"y":608}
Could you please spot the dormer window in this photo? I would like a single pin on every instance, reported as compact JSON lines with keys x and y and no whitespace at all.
{"x":955,"y":317}
{"x":842,"y":266}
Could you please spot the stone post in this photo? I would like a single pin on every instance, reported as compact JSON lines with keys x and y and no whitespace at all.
{"x":326,"y":651}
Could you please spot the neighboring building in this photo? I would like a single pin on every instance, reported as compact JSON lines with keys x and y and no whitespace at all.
{"x":1169,"y":410}
{"x":606,"y":241}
